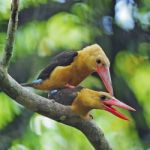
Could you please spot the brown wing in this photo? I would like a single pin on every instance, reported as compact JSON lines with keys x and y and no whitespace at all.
{"x":62,"y":59}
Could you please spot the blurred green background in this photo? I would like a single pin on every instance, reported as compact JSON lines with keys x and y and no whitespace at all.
{"x":47,"y":27}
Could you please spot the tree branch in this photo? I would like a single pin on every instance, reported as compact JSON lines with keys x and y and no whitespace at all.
{"x":39,"y":104}
{"x":53,"y":110}
{"x":12,"y":25}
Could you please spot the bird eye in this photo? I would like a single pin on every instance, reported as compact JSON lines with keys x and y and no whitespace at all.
{"x":98,"y":61}
{"x":103,"y":97}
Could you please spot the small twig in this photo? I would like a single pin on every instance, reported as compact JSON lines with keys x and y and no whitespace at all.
{"x":12,"y":26}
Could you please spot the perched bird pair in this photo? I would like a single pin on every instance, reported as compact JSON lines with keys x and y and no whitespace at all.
{"x":68,"y":69}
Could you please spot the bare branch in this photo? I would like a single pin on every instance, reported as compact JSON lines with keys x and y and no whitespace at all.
{"x":52,"y":110}
{"x":10,"y":33}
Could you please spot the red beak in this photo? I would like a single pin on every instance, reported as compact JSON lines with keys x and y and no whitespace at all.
{"x":114,"y":102}
{"x":104,"y":74}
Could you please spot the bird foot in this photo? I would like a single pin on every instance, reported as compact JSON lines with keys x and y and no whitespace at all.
{"x":69,"y":86}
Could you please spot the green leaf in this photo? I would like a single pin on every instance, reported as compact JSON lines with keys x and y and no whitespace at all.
{"x":8,"y":110}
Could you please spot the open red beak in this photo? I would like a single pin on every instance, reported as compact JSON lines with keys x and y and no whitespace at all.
{"x":104,"y":74}
{"x":114,"y":102}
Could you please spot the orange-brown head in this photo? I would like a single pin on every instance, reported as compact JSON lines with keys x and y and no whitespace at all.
{"x":87,"y":100}
{"x":96,"y":60}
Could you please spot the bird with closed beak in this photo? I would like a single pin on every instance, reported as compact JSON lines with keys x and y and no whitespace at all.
{"x":69,"y":68}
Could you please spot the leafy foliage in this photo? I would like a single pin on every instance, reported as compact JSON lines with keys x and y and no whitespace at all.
{"x":8,"y":110}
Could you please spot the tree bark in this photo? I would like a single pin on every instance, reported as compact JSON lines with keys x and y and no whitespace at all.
{"x":12,"y":25}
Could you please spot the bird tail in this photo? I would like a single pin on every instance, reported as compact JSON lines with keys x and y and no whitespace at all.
{"x":27,"y":84}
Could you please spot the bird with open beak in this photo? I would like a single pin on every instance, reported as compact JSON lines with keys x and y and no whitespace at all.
{"x":82,"y":101}
{"x":69,"y":68}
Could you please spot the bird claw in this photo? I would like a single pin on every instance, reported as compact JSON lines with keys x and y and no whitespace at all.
{"x":69,"y":86}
